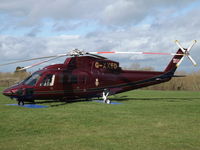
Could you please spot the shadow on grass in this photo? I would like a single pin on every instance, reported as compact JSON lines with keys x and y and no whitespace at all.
{"x":56,"y":103}
{"x":168,"y":99}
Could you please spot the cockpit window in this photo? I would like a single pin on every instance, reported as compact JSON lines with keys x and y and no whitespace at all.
{"x":32,"y":80}
{"x":48,"y":80}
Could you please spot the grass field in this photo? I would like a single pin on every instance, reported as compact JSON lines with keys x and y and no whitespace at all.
{"x":147,"y":120}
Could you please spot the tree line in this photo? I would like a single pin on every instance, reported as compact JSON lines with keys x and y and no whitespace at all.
{"x":191,"y":82}
{"x":8,"y":79}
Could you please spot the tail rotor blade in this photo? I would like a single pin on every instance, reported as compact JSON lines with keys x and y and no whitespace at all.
{"x":180,"y":61}
{"x":179,"y":45}
{"x":186,"y":52}
{"x":190,"y":47}
{"x":192,"y":60}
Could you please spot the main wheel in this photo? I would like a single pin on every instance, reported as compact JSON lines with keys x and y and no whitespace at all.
{"x":108,"y":101}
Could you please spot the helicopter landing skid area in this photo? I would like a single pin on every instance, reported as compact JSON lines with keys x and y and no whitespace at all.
{"x":100,"y":101}
{"x":43,"y":106}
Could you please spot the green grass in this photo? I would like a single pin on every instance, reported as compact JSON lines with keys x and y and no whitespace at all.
{"x":147,"y":120}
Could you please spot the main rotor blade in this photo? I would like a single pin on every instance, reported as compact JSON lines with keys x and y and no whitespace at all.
{"x":31,"y":66}
{"x":98,"y":56}
{"x":26,"y":60}
{"x":115,"y":52}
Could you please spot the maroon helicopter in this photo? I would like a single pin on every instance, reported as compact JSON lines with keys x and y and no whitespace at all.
{"x":88,"y":75}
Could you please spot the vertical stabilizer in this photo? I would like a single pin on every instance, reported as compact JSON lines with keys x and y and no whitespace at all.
{"x":174,"y":63}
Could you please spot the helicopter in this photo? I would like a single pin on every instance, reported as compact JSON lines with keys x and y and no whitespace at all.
{"x":86,"y":75}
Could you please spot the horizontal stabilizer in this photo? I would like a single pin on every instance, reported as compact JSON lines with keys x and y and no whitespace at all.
{"x":177,"y":76}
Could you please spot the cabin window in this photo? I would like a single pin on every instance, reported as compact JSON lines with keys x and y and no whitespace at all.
{"x":32,"y":80}
{"x":48,"y":80}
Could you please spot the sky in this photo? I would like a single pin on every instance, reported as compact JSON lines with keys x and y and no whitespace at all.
{"x":31,"y":29}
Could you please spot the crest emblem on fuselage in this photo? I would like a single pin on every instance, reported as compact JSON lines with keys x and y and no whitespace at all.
{"x":175,"y":61}
{"x":97,"y":82}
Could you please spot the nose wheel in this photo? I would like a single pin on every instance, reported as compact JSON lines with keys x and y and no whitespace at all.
{"x":20,"y":102}
{"x":105,"y":96}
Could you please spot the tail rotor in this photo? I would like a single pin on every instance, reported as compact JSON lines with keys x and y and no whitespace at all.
{"x":186,"y":52}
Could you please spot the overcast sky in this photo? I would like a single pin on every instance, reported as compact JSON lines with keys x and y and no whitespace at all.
{"x":32,"y":29}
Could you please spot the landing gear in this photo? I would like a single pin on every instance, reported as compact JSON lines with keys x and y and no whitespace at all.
{"x":108,"y":101}
{"x":105,"y":96}
{"x":20,"y":102}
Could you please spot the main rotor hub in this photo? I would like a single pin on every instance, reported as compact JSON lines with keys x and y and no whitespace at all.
{"x":77,"y":52}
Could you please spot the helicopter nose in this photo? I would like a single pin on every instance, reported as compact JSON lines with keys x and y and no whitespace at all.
{"x":7,"y":92}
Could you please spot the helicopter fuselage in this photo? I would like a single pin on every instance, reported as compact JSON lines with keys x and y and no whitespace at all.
{"x":82,"y":77}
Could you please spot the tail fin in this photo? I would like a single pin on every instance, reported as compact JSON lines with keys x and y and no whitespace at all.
{"x":178,"y":58}
{"x":172,"y":66}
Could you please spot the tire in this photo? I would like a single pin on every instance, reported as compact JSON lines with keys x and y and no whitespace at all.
{"x":108,"y":101}
{"x":20,"y":102}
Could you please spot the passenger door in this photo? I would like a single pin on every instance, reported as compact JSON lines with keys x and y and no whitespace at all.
{"x":46,"y":85}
